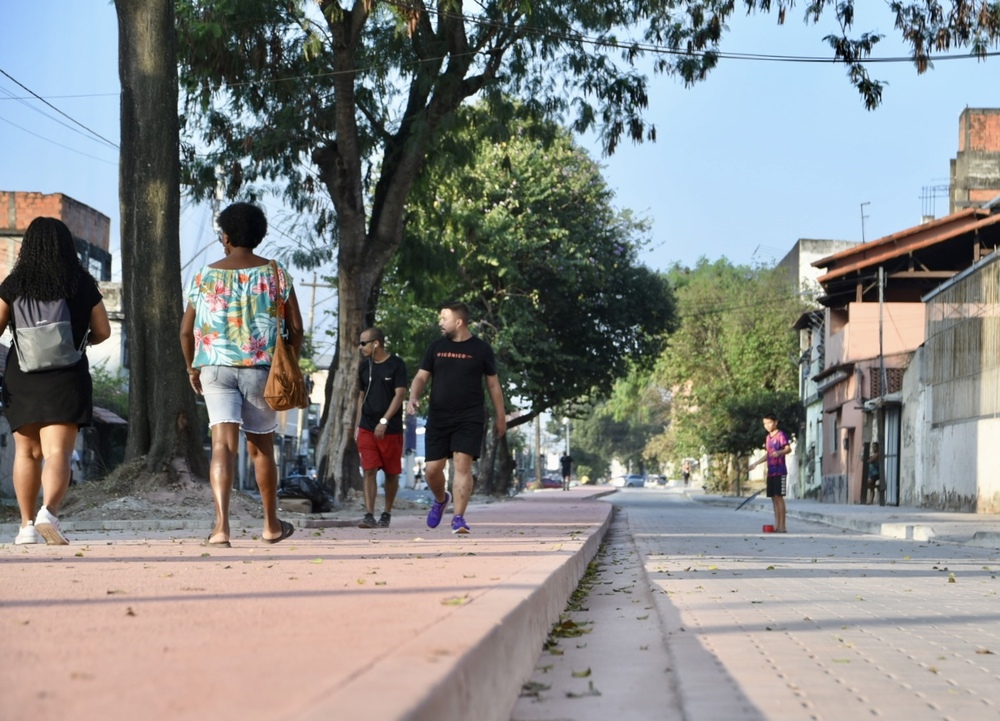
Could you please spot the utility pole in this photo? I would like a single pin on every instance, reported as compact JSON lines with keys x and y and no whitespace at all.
{"x":863,"y":216}
{"x":312,"y":300}
{"x":302,"y":433}
{"x":538,"y":449}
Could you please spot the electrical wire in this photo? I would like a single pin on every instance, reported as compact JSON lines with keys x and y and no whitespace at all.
{"x":39,"y":97}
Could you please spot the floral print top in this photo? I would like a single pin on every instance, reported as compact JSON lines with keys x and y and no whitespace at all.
{"x":234,"y":322}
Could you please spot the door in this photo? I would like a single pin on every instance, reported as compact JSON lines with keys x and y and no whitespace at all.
{"x":890,"y":463}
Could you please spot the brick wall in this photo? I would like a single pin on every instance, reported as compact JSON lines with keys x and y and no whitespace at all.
{"x":979,"y":130}
{"x":18,"y":209}
{"x":975,"y":171}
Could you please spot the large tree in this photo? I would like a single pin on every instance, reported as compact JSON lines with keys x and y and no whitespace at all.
{"x":163,"y":425}
{"x":517,"y":221}
{"x":336,"y":104}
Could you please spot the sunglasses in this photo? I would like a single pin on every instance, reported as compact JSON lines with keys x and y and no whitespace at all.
{"x":362,"y":343}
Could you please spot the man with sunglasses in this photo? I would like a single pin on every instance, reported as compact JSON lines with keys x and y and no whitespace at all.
{"x":379,"y":422}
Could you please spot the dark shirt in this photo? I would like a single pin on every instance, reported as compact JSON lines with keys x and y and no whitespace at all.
{"x":388,"y":375}
{"x":457,"y":370}
{"x":80,"y":307}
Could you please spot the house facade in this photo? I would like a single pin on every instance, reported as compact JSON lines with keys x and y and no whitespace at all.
{"x":874,"y":320}
{"x":951,"y":397}
{"x":798,"y":263}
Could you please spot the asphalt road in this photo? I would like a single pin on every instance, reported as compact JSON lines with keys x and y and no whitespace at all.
{"x":739,"y":625}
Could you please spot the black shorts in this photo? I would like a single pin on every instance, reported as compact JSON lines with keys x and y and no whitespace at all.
{"x":776,"y":486}
{"x":443,"y":441}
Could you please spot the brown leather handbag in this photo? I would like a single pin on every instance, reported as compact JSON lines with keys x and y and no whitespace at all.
{"x":286,"y":386}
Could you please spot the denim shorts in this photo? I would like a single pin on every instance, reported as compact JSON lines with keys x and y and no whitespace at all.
{"x":235,"y":394}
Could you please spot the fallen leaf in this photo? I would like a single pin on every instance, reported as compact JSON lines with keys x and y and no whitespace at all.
{"x":581,"y":674}
{"x":532,"y":688}
{"x":591,"y":691}
{"x":456,"y":600}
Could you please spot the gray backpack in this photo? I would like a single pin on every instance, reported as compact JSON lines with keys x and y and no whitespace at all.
{"x":43,"y":335}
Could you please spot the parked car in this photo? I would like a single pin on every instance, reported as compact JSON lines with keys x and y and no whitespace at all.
{"x":551,"y":481}
{"x":632,"y":480}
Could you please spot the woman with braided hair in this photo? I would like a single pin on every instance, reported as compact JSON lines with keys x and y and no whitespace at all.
{"x":46,"y":408}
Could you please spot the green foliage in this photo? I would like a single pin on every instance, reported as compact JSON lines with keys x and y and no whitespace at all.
{"x":110,"y":389}
{"x":524,"y":231}
{"x":599,"y":438}
{"x":733,"y":359}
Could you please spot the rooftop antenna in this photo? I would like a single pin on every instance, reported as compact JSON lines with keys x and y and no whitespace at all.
{"x":863,"y":216}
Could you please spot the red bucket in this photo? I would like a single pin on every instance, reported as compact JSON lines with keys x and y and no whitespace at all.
{"x":768,"y":529}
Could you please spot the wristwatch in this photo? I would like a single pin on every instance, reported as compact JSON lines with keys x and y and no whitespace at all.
{"x":383,"y":422}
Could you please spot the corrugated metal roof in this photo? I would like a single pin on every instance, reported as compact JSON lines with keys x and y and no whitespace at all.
{"x":904,"y":242}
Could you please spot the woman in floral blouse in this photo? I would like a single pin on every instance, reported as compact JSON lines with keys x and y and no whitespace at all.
{"x":227,"y":335}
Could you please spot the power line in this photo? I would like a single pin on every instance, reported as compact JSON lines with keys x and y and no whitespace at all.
{"x":39,"y":97}
{"x":65,"y":147}
{"x":41,"y":112}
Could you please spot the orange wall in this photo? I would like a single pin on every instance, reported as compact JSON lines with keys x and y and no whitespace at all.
{"x":979,"y":130}
{"x":902,"y":331}
{"x":18,"y":209}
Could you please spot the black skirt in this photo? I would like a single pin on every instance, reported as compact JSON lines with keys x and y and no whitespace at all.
{"x":61,"y":395}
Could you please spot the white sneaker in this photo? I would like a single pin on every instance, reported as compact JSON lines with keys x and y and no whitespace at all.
{"x":27,"y":535}
{"x":48,"y":526}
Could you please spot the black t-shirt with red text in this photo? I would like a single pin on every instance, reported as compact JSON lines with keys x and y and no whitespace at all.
{"x":457,"y":370}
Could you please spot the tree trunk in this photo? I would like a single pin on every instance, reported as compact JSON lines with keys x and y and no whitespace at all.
{"x":339,"y":463}
{"x":495,"y":467}
{"x":163,"y":425}
{"x":364,"y":248}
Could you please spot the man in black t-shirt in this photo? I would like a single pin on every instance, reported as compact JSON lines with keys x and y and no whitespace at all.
{"x":456,"y":364}
{"x":566,"y":465}
{"x":379,"y":422}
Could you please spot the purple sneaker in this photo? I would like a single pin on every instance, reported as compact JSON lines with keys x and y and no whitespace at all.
{"x":458,"y":525}
{"x":437,"y":510}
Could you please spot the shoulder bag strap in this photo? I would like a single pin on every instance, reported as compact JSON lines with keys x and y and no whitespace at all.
{"x":277,"y":291}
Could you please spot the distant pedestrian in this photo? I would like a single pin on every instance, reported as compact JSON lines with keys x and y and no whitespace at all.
{"x":686,"y":472}
{"x":379,"y":422}
{"x":566,"y":465}
{"x":777,"y":447}
{"x":456,"y":365}
{"x":227,"y":335}
{"x":46,"y":408}
{"x":874,"y":474}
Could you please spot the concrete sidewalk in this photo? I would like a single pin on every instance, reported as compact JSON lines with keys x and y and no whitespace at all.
{"x":918,"y":524}
{"x":140,"y":620}
{"x":334,"y":623}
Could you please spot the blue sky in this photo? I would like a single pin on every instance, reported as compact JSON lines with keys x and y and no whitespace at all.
{"x":750,"y":160}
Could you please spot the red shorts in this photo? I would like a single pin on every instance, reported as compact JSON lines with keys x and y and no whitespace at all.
{"x":386,"y":453}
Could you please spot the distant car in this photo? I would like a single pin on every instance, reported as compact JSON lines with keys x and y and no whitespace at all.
{"x":653,"y":481}
{"x":632,"y":480}
{"x":551,"y":482}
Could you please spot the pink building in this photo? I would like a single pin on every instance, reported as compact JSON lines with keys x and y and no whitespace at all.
{"x":873,"y":321}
